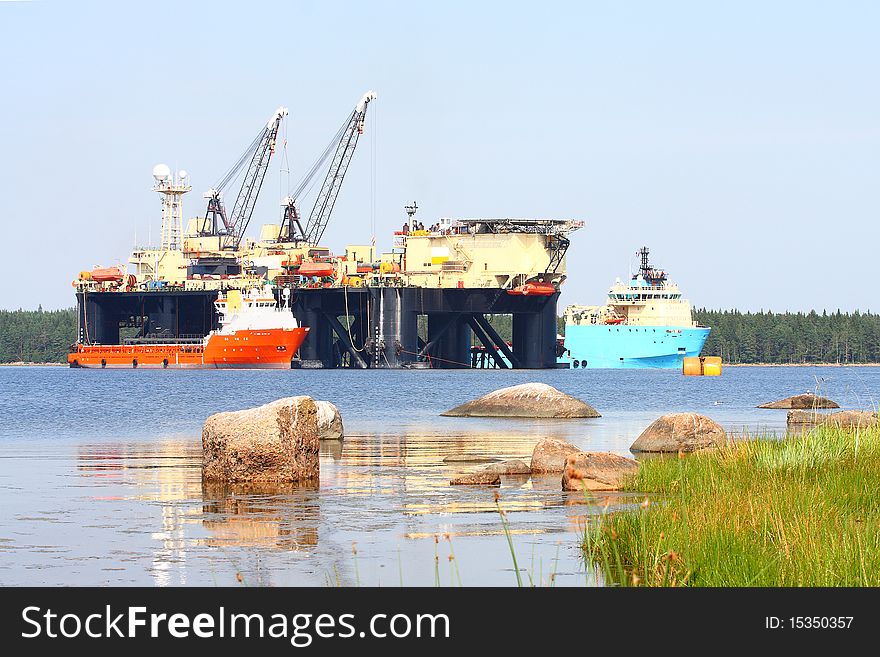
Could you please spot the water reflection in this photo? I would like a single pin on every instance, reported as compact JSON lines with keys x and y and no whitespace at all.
{"x":387,"y":492}
{"x":165,"y":474}
{"x":275,"y":516}
{"x":332,"y":449}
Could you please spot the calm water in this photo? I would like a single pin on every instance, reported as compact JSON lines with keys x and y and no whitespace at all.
{"x":101,"y":484}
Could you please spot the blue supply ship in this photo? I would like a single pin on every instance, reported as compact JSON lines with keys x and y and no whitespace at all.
{"x":646,"y":323}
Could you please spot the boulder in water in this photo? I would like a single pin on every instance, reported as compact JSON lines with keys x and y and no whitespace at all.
{"x":805,"y":400}
{"x":491,"y":474}
{"x":597,"y":471}
{"x":526,"y":400}
{"x":680,"y":432}
{"x":274,"y":443}
{"x":802,"y":420}
{"x":549,"y":455}
{"x":511,"y":467}
{"x":464,"y":458}
{"x":481,"y":478}
{"x":329,"y":421}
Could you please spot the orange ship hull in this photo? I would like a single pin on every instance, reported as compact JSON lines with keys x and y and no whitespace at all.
{"x":246,"y":349}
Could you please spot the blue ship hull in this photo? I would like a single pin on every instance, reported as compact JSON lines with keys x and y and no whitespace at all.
{"x":604,"y":346}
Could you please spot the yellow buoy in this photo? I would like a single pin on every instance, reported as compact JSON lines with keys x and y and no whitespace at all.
{"x":702,"y":366}
{"x":691,"y":367}
{"x":711,"y":366}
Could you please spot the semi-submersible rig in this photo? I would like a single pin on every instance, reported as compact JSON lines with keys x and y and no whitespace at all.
{"x":417,"y":305}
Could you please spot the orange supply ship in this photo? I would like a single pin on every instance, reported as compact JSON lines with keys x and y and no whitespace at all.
{"x":255,"y":333}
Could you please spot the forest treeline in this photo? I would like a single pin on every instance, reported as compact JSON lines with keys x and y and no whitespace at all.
{"x":767,"y":337}
{"x":40,"y":336}
{"x":36,"y":336}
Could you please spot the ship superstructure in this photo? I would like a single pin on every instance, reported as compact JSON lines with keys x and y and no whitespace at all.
{"x":646,"y":322}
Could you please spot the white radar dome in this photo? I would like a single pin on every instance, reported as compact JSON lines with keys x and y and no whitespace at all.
{"x":182,"y":174}
{"x":161,"y":172}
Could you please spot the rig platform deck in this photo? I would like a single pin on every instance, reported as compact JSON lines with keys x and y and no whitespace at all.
{"x":359,"y":327}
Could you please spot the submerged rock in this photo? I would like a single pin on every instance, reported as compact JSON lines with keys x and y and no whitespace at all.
{"x":803,"y":420}
{"x":329,"y":421}
{"x":680,"y":432}
{"x":549,"y":455}
{"x":481,"y":478}
{"x":274,"y":443}
{"x":511,"y":467}
{"x":597,"y":471}
{"x":526,"y":400}
{"x":802,"y":401}
{"x":491,"y":474}
{"x":463,"y":458}
{"x":852,"y":419}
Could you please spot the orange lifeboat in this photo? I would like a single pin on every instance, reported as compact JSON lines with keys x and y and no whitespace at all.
{"x":319,"y":269}
{"x":533,"y":289}
{"x":107,"y":274}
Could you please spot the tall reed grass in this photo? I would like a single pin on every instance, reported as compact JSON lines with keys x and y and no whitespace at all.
{"x":799,"y":511}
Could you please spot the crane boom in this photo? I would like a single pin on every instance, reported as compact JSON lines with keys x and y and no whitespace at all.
{"x":231,"y":227}
{"x":253,"y":181}
{"x":320,"y":215}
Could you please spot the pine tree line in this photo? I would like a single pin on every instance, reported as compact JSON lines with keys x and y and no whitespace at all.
{"x":767,"y":337}
{"x":36,"y":336}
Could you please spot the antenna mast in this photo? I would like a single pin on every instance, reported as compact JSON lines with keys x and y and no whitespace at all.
{"x":172,"y":188}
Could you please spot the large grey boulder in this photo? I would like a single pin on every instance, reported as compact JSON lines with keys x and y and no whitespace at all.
{"x":329,"y":421}
{"x":802,"y":401}
{"x":597,"y":471}
{"x":680,"y":432}
{"x":549,"y":455}
{"x":274,"y":443}
{"x":526,"y":400}
{"x":802,"y":420}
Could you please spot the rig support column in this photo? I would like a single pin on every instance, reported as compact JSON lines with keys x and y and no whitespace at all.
{"x":449,"y":341}
{"x":162,"y":321}
{"x":488,"y":344}
{"x":102,"y":327}
{"x":342,"y":336}
{"x":317,"y":349}
{"x":499,"y":342}
{"x":534,"y":336}
{"x":395,"y":341}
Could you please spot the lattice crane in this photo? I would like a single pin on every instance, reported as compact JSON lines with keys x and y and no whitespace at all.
{"x":345,"y":141}
{"x":231,"y":228}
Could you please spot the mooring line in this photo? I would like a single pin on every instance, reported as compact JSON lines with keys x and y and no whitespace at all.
{"x":433,"y":358}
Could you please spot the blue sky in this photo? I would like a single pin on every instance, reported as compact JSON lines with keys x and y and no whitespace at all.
{"x":741,"y":143}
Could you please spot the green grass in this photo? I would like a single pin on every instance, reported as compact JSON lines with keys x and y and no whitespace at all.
{"x":803,"y":511}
